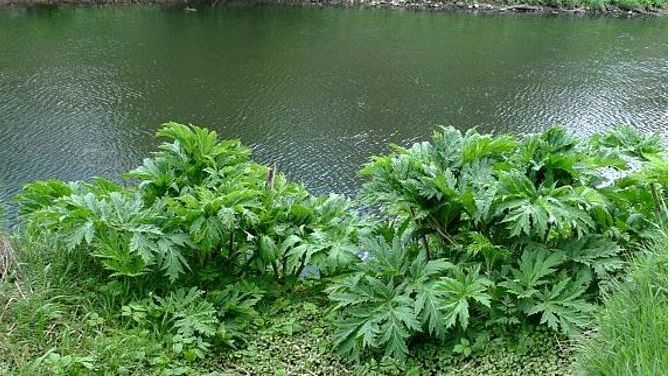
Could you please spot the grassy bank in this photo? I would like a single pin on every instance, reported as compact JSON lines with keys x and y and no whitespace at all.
{"x":61,"y":323}
{"x":630,"y":336}
{"x":487,"y":255}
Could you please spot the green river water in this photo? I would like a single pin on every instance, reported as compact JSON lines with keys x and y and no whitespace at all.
{"x":83,"y":90}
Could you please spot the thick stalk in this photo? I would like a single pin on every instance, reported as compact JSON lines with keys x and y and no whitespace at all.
{"x":300,"y":268}
{"x":423,"y":236}
{"x":270,"y":183}
{"x":436,"y":226}
{"x":276,"y":271}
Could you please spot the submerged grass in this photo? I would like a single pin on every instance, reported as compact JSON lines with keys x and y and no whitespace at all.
{"x":631,"y":329}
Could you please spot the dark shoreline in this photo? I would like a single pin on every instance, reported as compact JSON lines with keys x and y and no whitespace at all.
{"x":412,"y":6}
{"x":469,"y":7}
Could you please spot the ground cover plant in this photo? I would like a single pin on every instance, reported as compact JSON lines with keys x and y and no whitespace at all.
{"x":479,"y":255}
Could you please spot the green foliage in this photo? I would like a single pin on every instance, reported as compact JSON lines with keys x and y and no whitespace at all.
{"x":628,"y":140}
{"x":383,"y":313}
{"x":293,"y":340}
{"x":459,"y":291}
{"x":289,"y":337}
{"x":532,"y":231}
{"x":188,"y":319}
{"x":58,"y":322}
{"x":397,"y":293}
{"x":113,"y":223}
{"x":597,"y":5}
{"x":479,"y":236}
{"x":200,"y":207}
{"x":562,"y":305}
{"x":630,"y":337}
{"x":198,"y":213}
{"x":63,"y":364}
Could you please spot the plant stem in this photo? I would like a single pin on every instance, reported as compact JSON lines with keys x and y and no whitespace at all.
{"x":276,"y":271}
{"x":444,"y":235}
{"x":284,"y":262}
{"x":231,"y":244}
{"x":423,"y":236}
{"x":425,"y":245}
{"x":657,"y":202}
{"x":303,"y":259}
{"x":270,"y":183}
{"x":248,"y":264}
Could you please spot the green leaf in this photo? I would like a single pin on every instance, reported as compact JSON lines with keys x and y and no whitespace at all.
{"x":267,"y":248}
{"x":142,"y":245}
{"x":82,"y":233}
{"x":563,"y":306}
{"x":535,"y":265}
{"x":458,"y":291}
{"x":596,"y":252}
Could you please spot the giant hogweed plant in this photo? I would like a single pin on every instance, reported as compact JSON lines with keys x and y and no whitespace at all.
{"x":497,"y":230}
{"x":111,"y":223}
{"x":398,"y":293}
{"x":200,"y":210}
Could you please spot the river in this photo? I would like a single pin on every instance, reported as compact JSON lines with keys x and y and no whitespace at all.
{"x":83,"y":90}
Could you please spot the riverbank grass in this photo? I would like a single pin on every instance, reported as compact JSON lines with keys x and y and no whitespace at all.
{"x":631,"y":330}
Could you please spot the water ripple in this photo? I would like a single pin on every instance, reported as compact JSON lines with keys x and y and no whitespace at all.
{"x":82,"y":91}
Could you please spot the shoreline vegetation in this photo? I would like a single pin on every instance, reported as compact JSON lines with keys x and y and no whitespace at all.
{"x":614,"y":8}
{"x":631,"y":329}
{"x":490,"y":255}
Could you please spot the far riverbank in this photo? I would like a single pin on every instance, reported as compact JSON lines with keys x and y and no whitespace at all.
{"x":615,"y":8}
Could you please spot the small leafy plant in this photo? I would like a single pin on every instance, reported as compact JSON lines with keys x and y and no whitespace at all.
{"x":188,"y":319}
{"x":397,"y":292}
